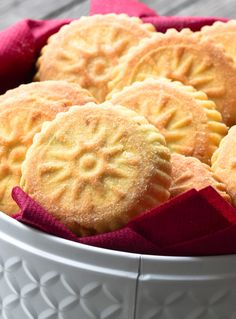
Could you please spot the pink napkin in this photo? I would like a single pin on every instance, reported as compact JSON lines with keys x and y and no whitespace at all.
{"x":19,"y":49}
{"x":135,"y":8}
{"x":194,"y":223}
{"x":21,"y":43}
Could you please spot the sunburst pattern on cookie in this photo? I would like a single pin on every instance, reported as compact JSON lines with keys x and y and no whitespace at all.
{"x":94,"y":161}
{"x":184,"y":57}
{"x":17,"y":128}
{"x":189,"y":172}
{"x":96,"y":166}
{"x":186,"y":118}
{"x":22,"y":112}
{"x":222,"y":33}
{"x":86,"y":51}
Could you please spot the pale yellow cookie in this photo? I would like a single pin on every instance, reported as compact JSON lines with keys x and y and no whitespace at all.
{"x":96,"y":166}
{"x":186,"y":118}
{"x":86,"y":50}
{"x":184,"y":57}
{"x":46,"y":93}
{"x":189,"y":172}
{"x":22,"y":112}
{"x":223,"y":33}
{"x":224,"y":162}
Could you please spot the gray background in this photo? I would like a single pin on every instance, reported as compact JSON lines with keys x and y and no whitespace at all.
{"x":12,"y":11}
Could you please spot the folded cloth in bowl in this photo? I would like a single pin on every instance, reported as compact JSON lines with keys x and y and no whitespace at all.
{"x":19,"y":48}
{"x":162,"y":23}
{"x":20,"y":44}
{"x":194,"y":223}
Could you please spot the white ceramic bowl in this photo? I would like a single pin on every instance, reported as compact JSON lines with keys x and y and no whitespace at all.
{"x":42,"y":276}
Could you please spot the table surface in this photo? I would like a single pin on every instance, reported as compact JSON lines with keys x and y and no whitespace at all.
{"x":12,"y":11}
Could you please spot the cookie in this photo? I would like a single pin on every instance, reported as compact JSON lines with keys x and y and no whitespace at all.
{"x":86,"y":50}
{"x":224,"y":162}
{"x":184,"y":57}
{"x":46,"y":93}
{"x":96,"y":166}
{"x":189,"y":172}
{"x":186,"y":118}
{"x":22,"y":112}
{"x":223,"y":33}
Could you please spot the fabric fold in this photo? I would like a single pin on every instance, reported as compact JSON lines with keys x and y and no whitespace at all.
{"x":19,"y":48}
{"x":186,"y":225}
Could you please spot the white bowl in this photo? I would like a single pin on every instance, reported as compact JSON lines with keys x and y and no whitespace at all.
{"x":42,"y":276}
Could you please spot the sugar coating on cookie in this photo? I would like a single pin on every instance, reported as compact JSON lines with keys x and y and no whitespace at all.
{"x":185,"y":57}
{"x":50,"y":93}
{"x":188,"y":172}
{"x":224,"y":162}
{"x":223,"y":33}
{"x":187,"y":118}
{"x":96,"y":166}
{"x":22,"y":112}
{"x":86,"y":50}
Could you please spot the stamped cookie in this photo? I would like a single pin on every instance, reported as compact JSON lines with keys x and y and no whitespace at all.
{"x":22,"y":112}
{"x":46,"y":93}
{"x":86,"y":50}
{"x":186,"y":118}
{"x":96,"y":166}
{"x":224,"y":162}
{"x":184,"y":57}
{"x":189,"y":172}
{"x":222,"y":33}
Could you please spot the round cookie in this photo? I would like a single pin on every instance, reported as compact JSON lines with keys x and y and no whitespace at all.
{"x":86,"y":50}
{"x":223,"y":33}
{"x":184,"y":57}
{"x":22,"y":112}
{"x":96,"y":166}
{"x":46,"y":93}
{"x":189,"y":172}
{"x":224,"y":162}
{"x":186,"y":118}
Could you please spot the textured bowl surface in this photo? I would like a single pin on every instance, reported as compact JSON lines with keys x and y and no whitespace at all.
{"x":42,"y":276}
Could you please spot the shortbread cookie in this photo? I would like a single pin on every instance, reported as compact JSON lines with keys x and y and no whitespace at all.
{"x":46,"y":93}
{"x":186,"y":118}
{"x":184,"y":57}
{"x":224,"y":162}
{"x":189,"y":172}
{"x":86,"y":50}
{"x":96,"y":166}
{"x":22,"y":112}
{"x":223,"y":33}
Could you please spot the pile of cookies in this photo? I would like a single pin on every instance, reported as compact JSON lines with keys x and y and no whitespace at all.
{"x":121,"y":118}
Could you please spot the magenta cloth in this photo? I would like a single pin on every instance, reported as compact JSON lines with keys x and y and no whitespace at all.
{"x":194,"y":223}
{"x":130,"y":7}
{"x":189,"y":224}
{"x":20,"y":44}
{"x":178,"y":23}
{"x":135,"y":8}
{"x":19,"y":49}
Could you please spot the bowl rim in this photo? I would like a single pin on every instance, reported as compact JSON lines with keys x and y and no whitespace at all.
{"x":67,"y":249}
